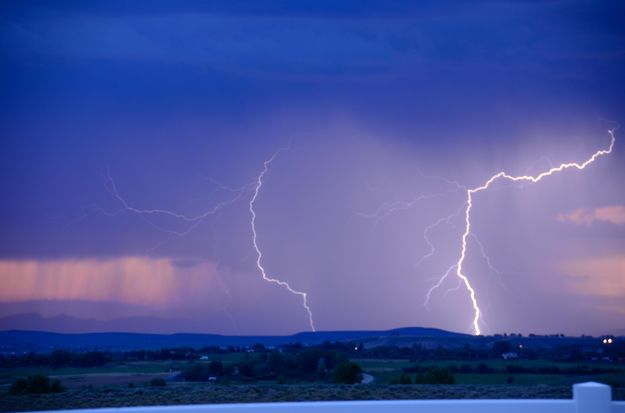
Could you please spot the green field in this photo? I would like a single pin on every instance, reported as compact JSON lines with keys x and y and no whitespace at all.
{"x":147,"y":368}
{"x":388,"y":371}
{"x":202,"y":393}
{"x":127,"y":384}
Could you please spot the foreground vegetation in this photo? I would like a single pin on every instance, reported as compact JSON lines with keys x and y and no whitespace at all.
{"x":199,"y":393}
{"x":331,"y":371}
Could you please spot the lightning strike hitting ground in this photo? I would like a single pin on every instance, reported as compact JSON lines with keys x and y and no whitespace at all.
{"x":259,"y":254}
{"x":467,"y":230}
{"x":194,"y":220}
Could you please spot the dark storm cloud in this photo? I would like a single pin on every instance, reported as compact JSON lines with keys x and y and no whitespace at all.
{"x":374,"y":96}
{"x":350,"y":9}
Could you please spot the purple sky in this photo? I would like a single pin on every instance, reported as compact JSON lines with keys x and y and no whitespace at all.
{"x":389,"y":112}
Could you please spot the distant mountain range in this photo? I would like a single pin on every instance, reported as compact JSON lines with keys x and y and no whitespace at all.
{"x":41,"y":340}
{"x":69,"y":324}
{"x":38,"y":337}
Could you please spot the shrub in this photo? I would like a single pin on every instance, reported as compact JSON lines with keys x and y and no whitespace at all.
{"x":36,"y":384}
{"x":56,"y":387}
{"x":19,"y":386}
{"x":435,"y":375}
{"x":215,"y":368}
{"x":39,"y":384}
{"x":157,"y":382}
{"x":247,"y":368}
{"x":405,"y":379}
{"x":196,"y":372}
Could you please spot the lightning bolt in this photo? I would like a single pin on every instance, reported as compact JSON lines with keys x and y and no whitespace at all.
{"x":467,"y":229}
{"x":447,"y":220}
{"x":440,"y":282}
{"x":259,"y":254}
{"x":453,"y":267}
{"x":192,"y":220}
{"x":486,"y":257}
{"x":389,"y":208}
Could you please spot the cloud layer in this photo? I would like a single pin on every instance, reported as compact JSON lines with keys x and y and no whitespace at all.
{"x":130,"y":280}
{"x":603,"y":277}
{"x":614,"y":214}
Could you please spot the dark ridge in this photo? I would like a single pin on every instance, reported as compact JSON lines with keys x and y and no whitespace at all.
{"x":42,"y":340}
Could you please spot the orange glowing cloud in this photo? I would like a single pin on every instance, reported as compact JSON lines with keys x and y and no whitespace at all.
{"x":135,"y":280}
{"x":604,"y":277}
{"x":611,"y":214}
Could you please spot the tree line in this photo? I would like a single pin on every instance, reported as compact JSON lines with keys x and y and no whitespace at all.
{"x":309,"y":364}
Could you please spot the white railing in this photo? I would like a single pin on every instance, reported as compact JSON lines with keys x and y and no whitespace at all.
{"x":587,"y":398}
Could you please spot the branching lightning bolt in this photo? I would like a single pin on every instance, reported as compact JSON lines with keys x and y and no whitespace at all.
{"x":426,"y":231}
{"x":259,"y":254}
{"x":467,"y":230}
{"x":440,"y":282}
{"x":192,"y":220}
{"x":442,"y":279}
{"x":389,"y":208}
{"x":486,"y":257}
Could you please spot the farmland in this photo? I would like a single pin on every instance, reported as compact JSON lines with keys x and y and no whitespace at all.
{"x":128,"y":383}
{"x":428,"y":368}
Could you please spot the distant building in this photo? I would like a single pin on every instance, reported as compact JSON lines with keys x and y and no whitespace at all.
{"x":510,"y":355}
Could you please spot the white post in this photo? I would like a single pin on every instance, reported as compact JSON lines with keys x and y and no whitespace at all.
{"x":592,"y":397}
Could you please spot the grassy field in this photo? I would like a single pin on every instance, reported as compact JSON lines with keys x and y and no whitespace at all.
{"x":126,"y":384}
{"x":200,"y":393}
{"x":112,"y":373}
{"x":386,"y":371}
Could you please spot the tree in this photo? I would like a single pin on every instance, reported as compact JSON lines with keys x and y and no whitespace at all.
{"x":92,"y":359}
{"x":348,"y":372}
{"x":158,"y":382}
{"x":259,"y":348}
{"x":501,"y":347}
{"x":247,"y":368}
{"x":308,"y":361}
{"x":435,"y":375}
{"x":196,"y":372}
{"x":405,"y":379}
{"x":215,"y":368}
{"x":35,"y":384}
{"x":60,"y":358}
